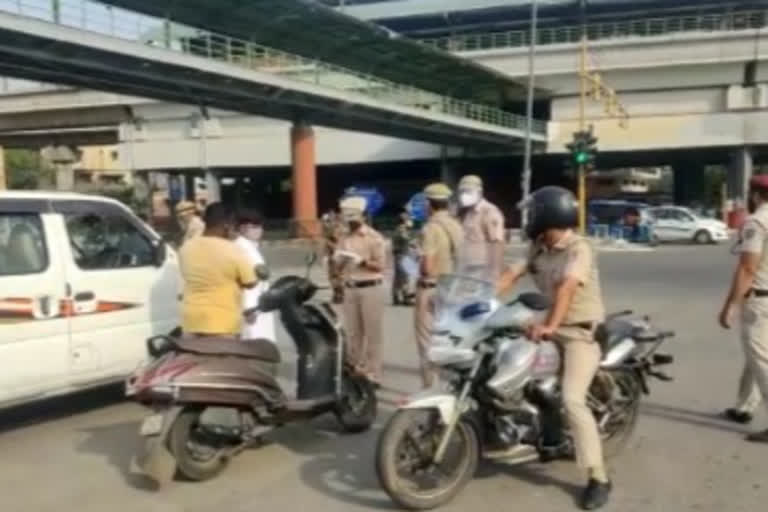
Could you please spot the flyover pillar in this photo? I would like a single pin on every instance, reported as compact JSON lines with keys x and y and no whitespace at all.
{"x":3,"y":182}
{"x":304,"y":180}
{"x":448,"y":169}
{"x":212,"y":187}
{"x":737,"y":185}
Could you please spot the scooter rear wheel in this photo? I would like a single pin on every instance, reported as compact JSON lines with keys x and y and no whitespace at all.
{"x":358,"y":407}
{"x":195,"y":459}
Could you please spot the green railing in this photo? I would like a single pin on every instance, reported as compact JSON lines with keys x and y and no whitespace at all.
{"x":645,"y":27}
{"x":123,"y":24}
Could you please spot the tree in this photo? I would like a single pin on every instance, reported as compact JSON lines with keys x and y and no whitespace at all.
{"x":25,"y":169}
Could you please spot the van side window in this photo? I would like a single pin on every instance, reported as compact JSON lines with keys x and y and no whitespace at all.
{"x":103,"y":241}
{"x":22,"y":244}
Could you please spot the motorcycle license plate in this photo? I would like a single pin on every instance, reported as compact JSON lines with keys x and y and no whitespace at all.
{"x":152,"y":425}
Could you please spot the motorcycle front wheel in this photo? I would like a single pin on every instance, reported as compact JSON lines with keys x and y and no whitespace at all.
{"x":196,"y":458}
{"x":405,"y":465}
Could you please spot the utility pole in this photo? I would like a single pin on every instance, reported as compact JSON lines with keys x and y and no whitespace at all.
{"x":582,"y":117}
{"x":526,"y":178}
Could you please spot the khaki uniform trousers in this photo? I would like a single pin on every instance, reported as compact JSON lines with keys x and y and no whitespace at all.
{"x":581,"y":360}
{"x":423,"y":316}
{"x":753,"y":387}
{"x":363,"y":322}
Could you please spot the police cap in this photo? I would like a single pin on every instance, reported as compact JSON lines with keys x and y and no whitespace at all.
{"x":438,"y":192}
{"x":353,"y":204}
{"x":471,"y":181}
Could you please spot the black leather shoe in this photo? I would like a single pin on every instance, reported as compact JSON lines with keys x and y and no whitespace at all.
{"x":737,"y":416}
{"x":595,"y":494}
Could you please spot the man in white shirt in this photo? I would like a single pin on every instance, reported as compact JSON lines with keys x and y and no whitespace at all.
{"x":250,"y":227}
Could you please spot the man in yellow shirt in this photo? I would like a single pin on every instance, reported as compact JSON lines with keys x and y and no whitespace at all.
{"x":215,"y":272}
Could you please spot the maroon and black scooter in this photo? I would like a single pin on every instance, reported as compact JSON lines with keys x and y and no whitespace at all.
{"x":212,"y":398}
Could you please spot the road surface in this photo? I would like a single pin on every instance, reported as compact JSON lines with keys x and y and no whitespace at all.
{"x":73,"y":455}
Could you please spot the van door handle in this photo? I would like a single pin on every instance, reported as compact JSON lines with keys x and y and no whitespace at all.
{"x":84,"y":296}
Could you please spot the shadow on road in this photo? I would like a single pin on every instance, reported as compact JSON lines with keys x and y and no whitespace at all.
{"x":52,"y":409}
{"x":539,"y":475}
{"x":117,"y":443}
{"x":695,"y":418}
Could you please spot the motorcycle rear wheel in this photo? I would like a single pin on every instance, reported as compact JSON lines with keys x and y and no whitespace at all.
{"x":405,"y":452}
{"x":195,"y":460}
{"x":624,"y":392}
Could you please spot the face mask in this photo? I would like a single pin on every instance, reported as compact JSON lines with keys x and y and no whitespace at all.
{"x":469,"y":198}
{"x":253,"y":233}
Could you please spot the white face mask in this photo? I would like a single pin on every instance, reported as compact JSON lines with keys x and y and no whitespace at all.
{"x":253,"y":233}
{"x":469,"y":198}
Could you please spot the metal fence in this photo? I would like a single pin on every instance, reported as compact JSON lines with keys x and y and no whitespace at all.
{"x":123,"y":24}
{"x":646,"y":27}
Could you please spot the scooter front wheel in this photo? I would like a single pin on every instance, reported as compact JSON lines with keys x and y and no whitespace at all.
{"x":357,"y":409}
{"x":196,"y":458}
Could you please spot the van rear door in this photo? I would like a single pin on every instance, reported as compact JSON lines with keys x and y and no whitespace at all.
{"x":34,"y":328}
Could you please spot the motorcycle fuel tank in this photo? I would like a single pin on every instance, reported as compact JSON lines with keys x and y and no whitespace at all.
{"x":519,"y":360}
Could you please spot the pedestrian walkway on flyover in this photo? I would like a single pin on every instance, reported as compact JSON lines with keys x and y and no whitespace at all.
{"x":96,"y":46}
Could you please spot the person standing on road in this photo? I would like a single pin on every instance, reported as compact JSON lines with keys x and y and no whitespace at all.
{"x":749,"y":289}
{"x":261,"y":325}
{"x":441,"y":241}
{"x":563,"y":266}
{"x":482,"y":220}
{"x":332,"y":232}
{"x":191,"y":224}
{"x":402,"y":239}
{"x":360,"y":260}
{"x":215,"y":271}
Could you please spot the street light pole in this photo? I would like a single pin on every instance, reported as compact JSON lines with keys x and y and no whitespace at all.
{"x":582,"y":116}
{"x":526,"y":180}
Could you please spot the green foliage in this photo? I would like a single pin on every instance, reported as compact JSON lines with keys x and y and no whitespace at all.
{"x":25,"y":169}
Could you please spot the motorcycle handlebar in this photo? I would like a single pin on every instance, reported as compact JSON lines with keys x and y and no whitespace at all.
{"x":626,"y":312}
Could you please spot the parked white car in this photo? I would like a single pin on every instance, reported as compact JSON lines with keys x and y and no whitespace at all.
{"x":680,"y":224}
{"x":83,"y":284}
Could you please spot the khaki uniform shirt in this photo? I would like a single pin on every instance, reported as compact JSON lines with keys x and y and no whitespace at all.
{"x":441,"y":239}
{"x":483,"y":223}
{"x":753,"y":239}
{"x":367,"y":243}
{"x":574,"y":257}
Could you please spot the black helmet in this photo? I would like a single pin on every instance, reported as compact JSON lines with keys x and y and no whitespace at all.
{"x":548,"y":208}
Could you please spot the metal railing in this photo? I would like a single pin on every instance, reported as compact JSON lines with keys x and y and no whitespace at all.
{"x":646,"y":27}
{"x":123,"y":24}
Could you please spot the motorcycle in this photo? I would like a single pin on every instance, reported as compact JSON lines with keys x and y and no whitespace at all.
{"x":500,"y":388}
{"x":212,"y":398}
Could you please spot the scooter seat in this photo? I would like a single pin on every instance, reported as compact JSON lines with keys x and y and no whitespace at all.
{"x":261,"y":349}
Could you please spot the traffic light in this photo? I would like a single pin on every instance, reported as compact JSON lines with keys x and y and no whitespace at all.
{"x":582,"y":150}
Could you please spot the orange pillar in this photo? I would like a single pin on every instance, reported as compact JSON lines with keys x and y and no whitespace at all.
{"x":304,"y":180}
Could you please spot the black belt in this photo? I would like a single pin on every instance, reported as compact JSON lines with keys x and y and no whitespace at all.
{"x":363,"y":284}
{"x":426,"y":284}
{"x":757,"y":293}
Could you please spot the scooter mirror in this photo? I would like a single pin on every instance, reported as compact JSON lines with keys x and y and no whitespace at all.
{"x":310,"y":259}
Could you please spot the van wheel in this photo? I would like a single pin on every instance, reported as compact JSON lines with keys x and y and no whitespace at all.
{"x":196,"y":457}
{"x":702,"y":237}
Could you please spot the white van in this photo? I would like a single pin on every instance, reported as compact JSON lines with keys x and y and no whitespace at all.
{"x":83,"y":284}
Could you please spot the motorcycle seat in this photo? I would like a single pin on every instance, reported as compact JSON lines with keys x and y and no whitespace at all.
{"x":261,"y":349}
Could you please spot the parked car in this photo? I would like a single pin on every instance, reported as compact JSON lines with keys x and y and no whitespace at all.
{"x":680,"y":224}
{"x":83,"y":284}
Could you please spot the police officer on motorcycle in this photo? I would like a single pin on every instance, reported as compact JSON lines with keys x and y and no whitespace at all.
{"x":563,"y":266}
